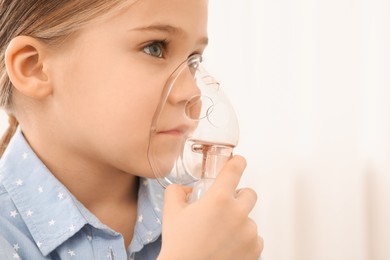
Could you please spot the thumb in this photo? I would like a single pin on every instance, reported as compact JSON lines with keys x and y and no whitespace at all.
{"x":176,"y":196}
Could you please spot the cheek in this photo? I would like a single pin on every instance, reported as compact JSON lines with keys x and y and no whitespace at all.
{"x":113,"y":94}
{"x":165,"y":150}
{"x":108,"y":112}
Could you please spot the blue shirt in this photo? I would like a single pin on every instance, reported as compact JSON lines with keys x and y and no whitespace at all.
{"x":41,"y":219}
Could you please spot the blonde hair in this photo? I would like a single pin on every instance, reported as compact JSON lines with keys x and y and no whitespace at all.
{"x":49,"y":21}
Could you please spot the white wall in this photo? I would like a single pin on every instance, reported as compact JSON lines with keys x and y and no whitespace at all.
{"x":310,"y":82}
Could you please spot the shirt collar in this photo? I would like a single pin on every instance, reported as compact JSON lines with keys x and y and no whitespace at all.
{"x":148,"y":225}
{"x":50,"y":211}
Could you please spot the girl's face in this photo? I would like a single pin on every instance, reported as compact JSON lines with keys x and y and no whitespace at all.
{"x":108,"y":81}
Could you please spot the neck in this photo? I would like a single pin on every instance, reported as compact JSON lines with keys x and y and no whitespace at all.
{"x":94,"y":184}
{"x":110,"y":194}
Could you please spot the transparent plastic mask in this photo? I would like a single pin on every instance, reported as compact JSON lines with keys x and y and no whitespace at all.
{"x":194,"y":129}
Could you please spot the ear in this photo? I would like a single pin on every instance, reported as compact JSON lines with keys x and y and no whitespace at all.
{"x":25,"y":65}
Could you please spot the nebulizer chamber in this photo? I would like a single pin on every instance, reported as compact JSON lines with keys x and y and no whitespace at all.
{"x":203,"y":130}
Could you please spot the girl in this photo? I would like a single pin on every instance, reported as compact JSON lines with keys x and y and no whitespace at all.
{"x":81,"y":81}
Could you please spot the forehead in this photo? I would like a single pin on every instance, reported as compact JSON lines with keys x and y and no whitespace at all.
{"x":189,"y":15}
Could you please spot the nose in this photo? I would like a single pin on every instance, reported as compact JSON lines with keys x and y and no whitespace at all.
{"x":185,"y":88}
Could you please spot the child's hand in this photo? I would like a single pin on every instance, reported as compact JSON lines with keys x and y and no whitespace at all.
{"x":215,"y":227}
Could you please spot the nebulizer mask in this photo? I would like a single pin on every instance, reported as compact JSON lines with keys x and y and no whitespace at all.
{"x":194,"y":129}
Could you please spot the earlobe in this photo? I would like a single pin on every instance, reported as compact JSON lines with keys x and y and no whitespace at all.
{"x":24,"y":59}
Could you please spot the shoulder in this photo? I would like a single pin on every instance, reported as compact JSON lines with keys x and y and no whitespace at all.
{"x":7,"y":250}
{"x":16,"y":241}
{"x":6,"y":206}
{"x":12,"y":226}
{"x":9,"y":215}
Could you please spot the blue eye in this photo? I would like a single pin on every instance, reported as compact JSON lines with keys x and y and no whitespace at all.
{"x":155,"y":49}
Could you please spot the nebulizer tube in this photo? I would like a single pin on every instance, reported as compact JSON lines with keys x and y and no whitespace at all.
{"x":214,"y":157}
{"x":194,"y":129}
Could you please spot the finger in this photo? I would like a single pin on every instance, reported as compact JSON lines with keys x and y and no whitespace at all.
{"x":231,"y":173}
{"x":256,"y":243}
{"x":176,"y":196}
{"x":260,"y":246}
{"x":247,"y":198}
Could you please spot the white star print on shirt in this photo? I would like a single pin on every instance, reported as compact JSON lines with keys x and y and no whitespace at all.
{"x":19,"y":182}
{"x":25,"y":155}
{"x":52,"y":222}
{"x":39,"y":244}
{"x":140,"y":218}
{"x":13,"y":213}
{"x":40,"y":189}
{"x":16,"y":247}
{"x":29,"y":213}
{"x":72,"y":228}
{"x":60,"y":195}
{"x":15,"y":255}
{"x":71,"y":253}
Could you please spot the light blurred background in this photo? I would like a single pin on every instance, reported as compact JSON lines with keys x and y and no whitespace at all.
{"x":310,"y":80}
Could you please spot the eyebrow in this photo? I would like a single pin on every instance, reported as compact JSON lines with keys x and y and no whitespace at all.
{"x":168,"y":29}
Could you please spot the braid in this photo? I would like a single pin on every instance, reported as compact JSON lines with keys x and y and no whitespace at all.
{"x":13,"y":125}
